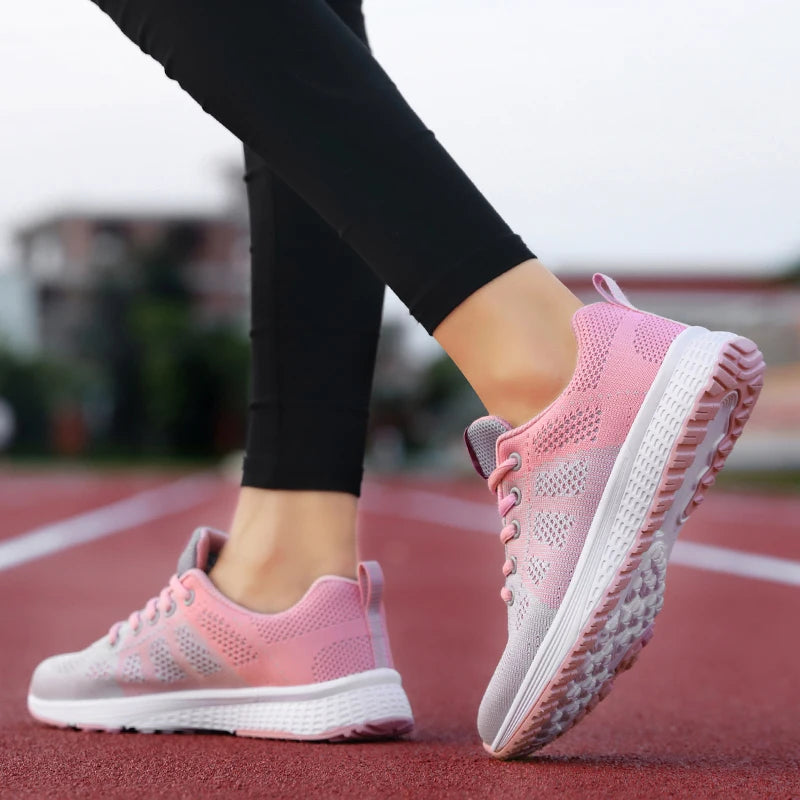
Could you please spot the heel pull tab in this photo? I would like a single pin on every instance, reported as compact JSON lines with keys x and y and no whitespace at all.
{"x":370,"y":582}
{"x":609,"y":290}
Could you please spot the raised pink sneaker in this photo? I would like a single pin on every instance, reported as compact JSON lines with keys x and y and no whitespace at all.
{"x":593,"y":492}
{"x":194,"y":660}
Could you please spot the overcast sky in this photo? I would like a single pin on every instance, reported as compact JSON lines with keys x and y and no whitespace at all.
{"x":605,"y":132}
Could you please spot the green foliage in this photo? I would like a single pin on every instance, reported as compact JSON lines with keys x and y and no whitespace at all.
{"x":194,"y":383}
{"x":424,"y":406}
{"x":442,"y":384}
{"x":175,"y":386}
{"x":34,"y":387}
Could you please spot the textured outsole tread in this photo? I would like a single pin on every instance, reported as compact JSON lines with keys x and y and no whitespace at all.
{"x":635,"y":596}
{"x":362,"y":732}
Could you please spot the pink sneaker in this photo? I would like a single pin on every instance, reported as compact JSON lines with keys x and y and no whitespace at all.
{"x":194,"y":660}
{"x":593,"y":492}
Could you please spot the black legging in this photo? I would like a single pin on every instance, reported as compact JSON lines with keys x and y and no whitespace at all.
{"x":370,"y":185}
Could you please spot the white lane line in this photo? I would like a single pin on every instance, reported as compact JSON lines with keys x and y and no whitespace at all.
{"x":737,"y":562}
{"x":423,"y":506}
{"x":106,"y":520}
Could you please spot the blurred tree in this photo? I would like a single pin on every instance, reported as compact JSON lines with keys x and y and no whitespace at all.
{"x":23,"y":384}
{"x":793,"y":273}
{"x":174,"y":385}
{"x":418,"y":408}
{"x":35,"y":388}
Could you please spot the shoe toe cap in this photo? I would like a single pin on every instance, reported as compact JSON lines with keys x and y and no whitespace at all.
{"x":88,"y":674}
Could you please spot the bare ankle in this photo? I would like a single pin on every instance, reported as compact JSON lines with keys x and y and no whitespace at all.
{"x":520,"y":394}
{"x":513,"y":341}
{"x":281,"y":541}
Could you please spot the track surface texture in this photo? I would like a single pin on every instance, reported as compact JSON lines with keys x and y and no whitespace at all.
{"x":712,"y":708}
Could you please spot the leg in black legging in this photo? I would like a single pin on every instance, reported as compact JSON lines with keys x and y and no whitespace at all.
{"x":294,"y":83}
{"x":316,"y":311}
{"x":299,"y":88}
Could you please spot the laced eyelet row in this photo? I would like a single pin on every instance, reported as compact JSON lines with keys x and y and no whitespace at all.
{"x":164,"y":604}
{"x":511,"y":529}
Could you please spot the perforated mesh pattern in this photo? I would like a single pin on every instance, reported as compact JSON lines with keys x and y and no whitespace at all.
{"x":132,"y":671}
{"x":234,"y":646}
{"x":344,"y":657}
{"x":537,"y":569}
{"x":553,"y":528}
{"x":99,"y":670}
{"x":596,"y":331}
{"x":521,"y":609}
{"x":68,"y":664}
{"x":195,"y":652}
{"x":566,"y":480}
{"x":580,"y":425}
{"x":333,"y":607}
{"x":653,"y":337}
{"x":482,"y":436}
{"x":164,"y":665}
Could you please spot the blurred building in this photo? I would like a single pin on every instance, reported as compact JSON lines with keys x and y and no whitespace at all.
{"x":62,"y":255}
{"x":19,"y":326}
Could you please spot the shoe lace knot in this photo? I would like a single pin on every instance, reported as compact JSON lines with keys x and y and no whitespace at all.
{"x":164,"y":602}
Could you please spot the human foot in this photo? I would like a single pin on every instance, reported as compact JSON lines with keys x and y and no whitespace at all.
{"x":194,"y":660}
{"x":593,"y":492}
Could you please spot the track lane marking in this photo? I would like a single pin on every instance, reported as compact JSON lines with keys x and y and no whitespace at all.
{"x":453,"y":512}
{"x":113,"y":518}
{"x":412,"y":504}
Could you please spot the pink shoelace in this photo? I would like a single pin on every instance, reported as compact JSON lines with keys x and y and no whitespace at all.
{"x":164,"y":603}
{"x":504,"y":505}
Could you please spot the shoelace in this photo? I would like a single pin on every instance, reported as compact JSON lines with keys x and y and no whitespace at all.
{"x":504,"y":504}
{"x":163,"y":603}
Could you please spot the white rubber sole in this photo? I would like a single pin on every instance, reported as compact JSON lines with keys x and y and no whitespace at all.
{"x":681,"y":435}
{"x":369,"y":704}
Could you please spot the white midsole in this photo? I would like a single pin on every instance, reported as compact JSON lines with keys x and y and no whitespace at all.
{"x":299,"y":710}
{"x":626,"y":500}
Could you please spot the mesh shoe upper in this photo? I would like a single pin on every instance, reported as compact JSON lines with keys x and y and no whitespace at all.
{"x":198,"y":639}
{"x":564,"y":456}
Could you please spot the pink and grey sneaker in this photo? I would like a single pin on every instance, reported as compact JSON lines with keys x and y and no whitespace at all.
{"x":593,"y":492}
{"x":194,"y":660}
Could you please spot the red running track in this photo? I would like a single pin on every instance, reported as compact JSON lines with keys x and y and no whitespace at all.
{"x":712,"y":708}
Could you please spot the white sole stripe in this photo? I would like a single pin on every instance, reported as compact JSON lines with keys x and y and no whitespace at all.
{"x":423,"y":506}
{"x":113,"y":518}
{"x":362,"y":699}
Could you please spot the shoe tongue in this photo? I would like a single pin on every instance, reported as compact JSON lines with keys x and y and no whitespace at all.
{"x":481,"y":440}
{"x":202,"y":550}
